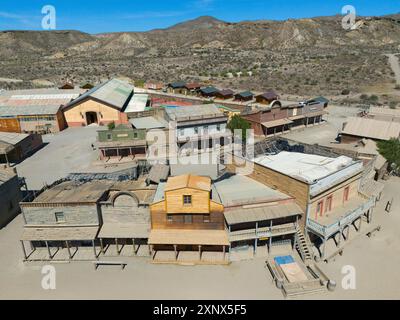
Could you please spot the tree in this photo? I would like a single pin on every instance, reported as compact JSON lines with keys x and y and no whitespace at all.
{"x":391,"y":151}
{"x":238,"y":123}
{"x":111,"y":126}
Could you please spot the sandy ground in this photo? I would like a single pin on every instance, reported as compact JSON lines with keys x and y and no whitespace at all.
{"x":65,"y":152}
{"x":375,"y":259}
{"x":395,"y":65}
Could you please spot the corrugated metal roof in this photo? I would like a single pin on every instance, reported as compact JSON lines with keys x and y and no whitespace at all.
{"x":244,"y":215}
{"x":33,"y":110}
{"x":59,"y":233}
{"x":370,"y":128}
{"x":138,"y":103}
{"x":245,"y":94}
{"x":209,"y":90}
{"x":114,"y":92}
{"x":12,"y":138}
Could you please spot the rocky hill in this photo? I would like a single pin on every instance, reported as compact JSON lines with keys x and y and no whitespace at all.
{"x":315,"y":55}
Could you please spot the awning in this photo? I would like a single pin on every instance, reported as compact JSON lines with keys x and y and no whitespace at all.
{"x":244,"y":215}
{"x":122,"y":144}
{"x":300,"y":116}
{"x":59,"y":233}
{"x":189,"y":237}
{"x":316,"y":114}
{"x":124,"y":231}
{"x":276,"y":123}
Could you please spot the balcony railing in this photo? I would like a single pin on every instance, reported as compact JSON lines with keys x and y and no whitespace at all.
{"x":329,"y":230}
{"x":266,"y":232}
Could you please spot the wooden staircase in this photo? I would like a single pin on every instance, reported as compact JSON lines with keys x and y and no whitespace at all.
{"x":302,"y":244}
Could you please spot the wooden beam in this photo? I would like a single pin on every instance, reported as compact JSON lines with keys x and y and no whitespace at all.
{"x":102,"y":246}
{"x":116,"y":244}
{"x":48,"y":250}
{"x":69,"y":250}
{"x":134,"y":247}
{"x":176,"y":252}
{"x":23,"y":249}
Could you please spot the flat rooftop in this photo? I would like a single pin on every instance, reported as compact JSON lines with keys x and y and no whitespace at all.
{"x":12,"y":138}
{"x":241,"y":190}
{"x":195,"y":112}
{"x":74,"y":192}
{"x":305,"y":167}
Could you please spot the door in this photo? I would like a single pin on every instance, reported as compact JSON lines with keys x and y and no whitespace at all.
{"x":91,"y":117}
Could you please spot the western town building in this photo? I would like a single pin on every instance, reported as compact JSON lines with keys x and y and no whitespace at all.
{"x":257,"y":215}
{"x":65,"y":216}
{"x":224,"y":94}
{"x":267,"y":97}
{"x":357,"y":128}
{"x":177,"y":87}
{"x":277,"y":118}
{"x":244,"y":96}
{"x":384,"y":114}
{"x":123,"y":141}
{"x":16,"y":146}
{"x":187,"y":224}
{"x":198,"y":128}
{"x":208,"y":92}
{"x":331,"y":191}
{"x":35,"y":110}
{"x":10,"y":195}
{"x":101,"y":105}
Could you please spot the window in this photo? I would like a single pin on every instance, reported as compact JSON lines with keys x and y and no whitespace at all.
{"x":187,"y":200}
{"x":218,"y":127}
{"x":196,"y":130}
{"x":205,"y":129}
{"x":320,"y":209}
{"x":346,"y":194}
{"x":135,"y":135}
{"x":329,"y":201}
{"x":59,"y":217}
{"x":170,"y":219}
{"x":206,"y":218}
{"x":188,"y":219}
{"x":182,"y":132}
{"x":109,"y":136}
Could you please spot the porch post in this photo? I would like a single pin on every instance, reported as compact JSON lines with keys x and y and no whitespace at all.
{"x":48,"y":250}
{"x":224,"y":251}
{"x":134,"y":247}
{"x":348,"y":233}
{"x":94,"y":249}
{"x":360,"y":224}
{"x":102,"y":246}
{"x":116,"y":244}
{"x":68,"y":249}
{"x":256,"y":240}
{"x":323,"y":248}
{"x":176,"y":252}
{"x":200,"y":252}
{"x":23,"y":249}
{"x":270,"y":237}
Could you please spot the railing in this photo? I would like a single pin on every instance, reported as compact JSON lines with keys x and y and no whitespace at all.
{"x":265,"y":232}
{"x":327,"y":231}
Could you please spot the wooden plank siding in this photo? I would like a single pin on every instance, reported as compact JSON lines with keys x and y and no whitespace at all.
{"x":10,"y":125}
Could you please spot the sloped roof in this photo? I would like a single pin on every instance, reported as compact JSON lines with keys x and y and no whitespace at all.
{"x":114,"y":92}
{"x":245,"y":94}
{"x":371,"y":128}
{"x":209,"y":90}
{"x":226,"y":92}
{"x":269,"y":95}
{"x":178,"y":84}
{"x":32,"y":110}
{"x":188,"y":181}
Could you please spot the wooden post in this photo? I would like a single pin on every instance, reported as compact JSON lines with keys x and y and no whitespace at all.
{"x":348,"y":233}
{"x":68,"y":249}
{"x":256,"y":240}
{"x":116,"y":244}
{"x":102,"y":246}
{"x":323,"y":248}
{"x":23,"y":249}
{"x":199,"y":253}
{"x":223,"y":248}
{"x":48,"y":250}
{"x":340,"y":237}
{"x":270,"y":238}
{"x":176,"y":252}
{"x":8,"y":164}
{"x":359,"y":226}
{"x":134,"y":247}
{"x":94,"y":249}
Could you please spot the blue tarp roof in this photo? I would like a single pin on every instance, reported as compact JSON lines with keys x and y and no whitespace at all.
{"x":284,"y":260}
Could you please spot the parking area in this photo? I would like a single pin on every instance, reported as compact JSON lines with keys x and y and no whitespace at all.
{"x":65,"y":152}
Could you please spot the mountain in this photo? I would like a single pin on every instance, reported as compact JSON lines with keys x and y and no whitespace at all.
{"x":312,"y":55}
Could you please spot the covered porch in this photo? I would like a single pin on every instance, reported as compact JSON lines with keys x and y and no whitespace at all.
{"x":127,"y":240}
{"x":123,"y":149}
{"x":276,"y":127}
{"x":59,"y":243}
{"x":189,"y":246}
{"x":338,"y":224}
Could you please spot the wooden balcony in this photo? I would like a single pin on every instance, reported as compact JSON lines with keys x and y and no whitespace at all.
{"x":260,"y":233}
{"x":340,"y":217}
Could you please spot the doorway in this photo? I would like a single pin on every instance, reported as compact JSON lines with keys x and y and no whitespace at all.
{"x":91,"y":117}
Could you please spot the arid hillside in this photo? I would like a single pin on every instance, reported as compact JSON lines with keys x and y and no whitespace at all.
{"x":316,"y":56}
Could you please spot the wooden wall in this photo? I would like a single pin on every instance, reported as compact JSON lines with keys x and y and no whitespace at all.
{"x":10,"y":125}
{"x":200,"y":201}
{"x":159,"y":221}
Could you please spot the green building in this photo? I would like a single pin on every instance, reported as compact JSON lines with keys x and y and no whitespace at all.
{"x":122,"y":141}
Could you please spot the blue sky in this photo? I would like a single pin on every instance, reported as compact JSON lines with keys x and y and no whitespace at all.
{"x":96,"y":16}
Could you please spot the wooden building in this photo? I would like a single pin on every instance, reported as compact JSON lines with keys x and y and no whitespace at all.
{"x":177,"y":87}
{"x":101,"y":105}
{"x":64,"y":217}
{"x":67,"y":86}
{"x":122,"y":142}
{"x":208,"y":92}
{"x":328,"y":190}
{"x":267,"y":97}
{"x":10,"y":195}
{"x":192,"y":88}
{"x":187,"y":221}
{"x":225,"y":94}
{"x":14,"y":147}
{"x":244,"y":96}
{"x":149,"y":85}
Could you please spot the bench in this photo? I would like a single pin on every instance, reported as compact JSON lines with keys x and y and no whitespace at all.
{"x":109,"y":263}
{"x":370,"y":234}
